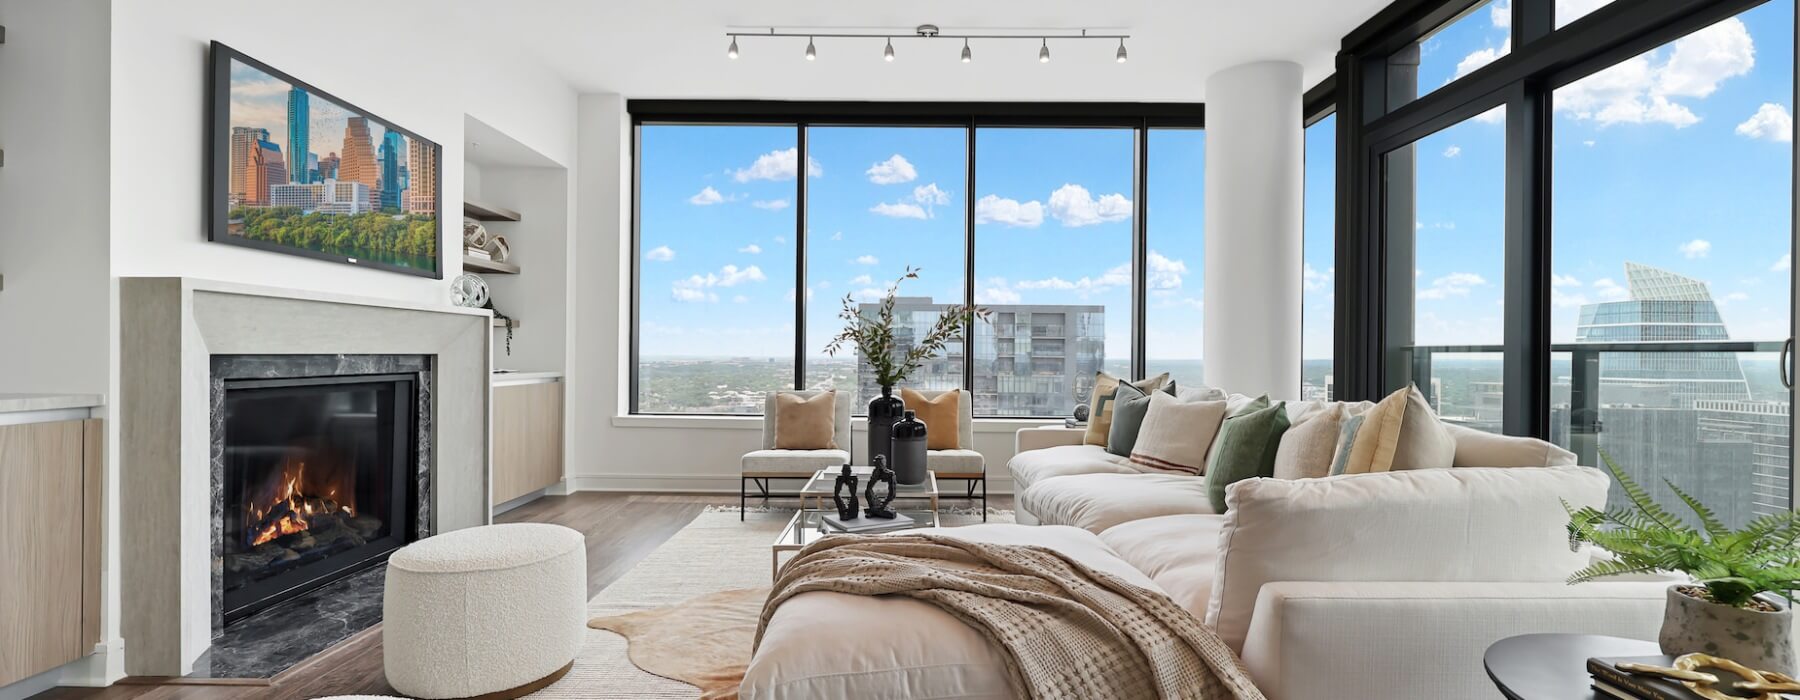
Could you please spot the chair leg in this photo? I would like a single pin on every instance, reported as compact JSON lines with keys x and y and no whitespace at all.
{"x":743,"y":497}
{"x":984,"y":507}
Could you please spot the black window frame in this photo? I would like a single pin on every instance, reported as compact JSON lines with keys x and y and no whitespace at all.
{"x":970,"y":116}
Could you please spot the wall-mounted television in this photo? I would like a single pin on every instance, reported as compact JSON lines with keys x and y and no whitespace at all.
{"x":296,"y":170}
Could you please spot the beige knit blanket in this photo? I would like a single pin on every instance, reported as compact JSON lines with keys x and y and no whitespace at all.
{"x":1066,"y":631}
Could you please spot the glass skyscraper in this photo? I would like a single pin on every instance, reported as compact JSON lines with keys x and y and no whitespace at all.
{"x":392,"y":145}
{"x":299,"y":128}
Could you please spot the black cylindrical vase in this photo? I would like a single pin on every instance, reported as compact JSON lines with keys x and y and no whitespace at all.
{"x":884,"y":411}
{"x":909,"y":450}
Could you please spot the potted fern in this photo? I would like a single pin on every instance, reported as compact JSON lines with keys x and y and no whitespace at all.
{"x":1738,"y":605}
{"x":875,"y":338}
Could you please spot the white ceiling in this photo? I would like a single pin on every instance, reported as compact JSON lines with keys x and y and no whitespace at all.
{"x":676,"y":48}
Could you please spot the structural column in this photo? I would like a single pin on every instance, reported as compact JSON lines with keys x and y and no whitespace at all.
{"x":1254,"y":159}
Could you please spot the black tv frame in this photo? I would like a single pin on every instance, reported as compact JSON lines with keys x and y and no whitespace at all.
{"x":218,"y":143}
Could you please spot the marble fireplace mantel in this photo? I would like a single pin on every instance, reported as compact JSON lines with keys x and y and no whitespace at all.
{"x":170,"y":327}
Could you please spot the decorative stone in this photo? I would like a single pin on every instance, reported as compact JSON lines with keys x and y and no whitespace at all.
{"x":846,"y":483}
{"x":878,"y":508}
{"x":1761,"y":640}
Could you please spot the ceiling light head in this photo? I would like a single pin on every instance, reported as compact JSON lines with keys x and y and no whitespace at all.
{"x":732,"y":51}
{"x":887,"y":54}
{"x":1044,"y":51}
{"x":966,"y":55}
{"x":1120,"y":55}
{"x":812,"y":54}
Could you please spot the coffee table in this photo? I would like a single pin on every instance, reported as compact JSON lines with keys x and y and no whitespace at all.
{"x":1554,"y":666}
{"x":806,"y":527}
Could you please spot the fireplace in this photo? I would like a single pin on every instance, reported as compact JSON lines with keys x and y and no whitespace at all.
{"x":318,"y":479}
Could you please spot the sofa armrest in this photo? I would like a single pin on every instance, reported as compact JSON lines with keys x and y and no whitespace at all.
{"x":1421,"y":640}
{"x":1040,"y":437}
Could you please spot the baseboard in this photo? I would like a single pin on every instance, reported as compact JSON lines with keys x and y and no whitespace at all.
{"x":729,"y":484}
{"x":97,"y":670}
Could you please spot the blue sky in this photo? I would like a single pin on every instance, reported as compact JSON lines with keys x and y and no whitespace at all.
{"x":260,"y":100}
{"x":1678,"y":158}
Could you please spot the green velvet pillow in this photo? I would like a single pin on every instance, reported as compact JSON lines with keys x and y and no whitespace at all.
{"x":1245,"y":447}
{"x":1129,"y":406}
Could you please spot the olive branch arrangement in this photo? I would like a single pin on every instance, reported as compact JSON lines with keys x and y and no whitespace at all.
{"x":873,"y":336}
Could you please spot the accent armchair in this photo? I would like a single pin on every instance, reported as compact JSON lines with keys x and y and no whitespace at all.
{"x":963,"y":464}
{"x":767,"y":464}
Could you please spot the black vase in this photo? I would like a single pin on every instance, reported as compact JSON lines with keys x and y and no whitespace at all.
{"x":909,"y":450}
{"x":884,"y":411}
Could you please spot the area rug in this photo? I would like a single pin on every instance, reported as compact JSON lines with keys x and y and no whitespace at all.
{"x":713,"y":554}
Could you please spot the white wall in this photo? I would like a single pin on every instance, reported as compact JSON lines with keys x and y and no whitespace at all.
{"x":53,"y":196}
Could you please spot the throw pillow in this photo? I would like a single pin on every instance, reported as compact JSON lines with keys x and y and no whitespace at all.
{"x":1129,"y":406}
{"x":803,"y":423}
{"x":940,"y":414}
{"x":1100,"y":403}
{"x":1400,"y":432}
{"x":1177,"y":434}
{"x":1309,"y":446}
{"x":1245,"y":449}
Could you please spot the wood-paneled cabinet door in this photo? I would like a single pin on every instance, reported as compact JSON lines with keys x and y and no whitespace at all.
{"x":528,"y":436}
{"x":41,"y":549}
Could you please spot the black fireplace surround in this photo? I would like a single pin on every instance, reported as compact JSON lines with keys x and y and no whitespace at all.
{"x":318,"y":475}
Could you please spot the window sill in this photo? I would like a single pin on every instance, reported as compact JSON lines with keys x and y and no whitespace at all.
{"x":982,"y":425}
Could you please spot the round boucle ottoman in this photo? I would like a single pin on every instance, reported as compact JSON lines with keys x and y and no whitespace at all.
{"x":496,"y":611}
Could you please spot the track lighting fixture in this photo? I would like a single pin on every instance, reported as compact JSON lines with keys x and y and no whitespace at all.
{"x":929,"y":31}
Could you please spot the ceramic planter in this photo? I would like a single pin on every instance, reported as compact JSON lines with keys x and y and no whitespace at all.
{"x":1760,"y":640}
{"x":884,"y":411}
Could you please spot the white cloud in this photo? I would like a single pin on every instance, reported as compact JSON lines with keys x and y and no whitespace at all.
{"x":740,"y":299}
{"x":1557,"y":280}
{"x":868,"y":294}
{"x":899,"y":210}
{"x":661,"y":253}
{"x":996,"y":209}
{"x":1589,"y":143}
{"x":1453,"y":151}
{"x":1165,"y":273}
{"x":781,"y":239}
{"x":770,"y":204}
{"x":929,"y":194}
{"x":1313,"y":280}
{"x":1119,"y":276}
{"x":1733,"y":297}
{"x":1784,"y":264}
{"x":1697,"y":248}
{"x":1481,"y":57}
{"x":707,"y":196}
{"x":1074,"y":206}
{"x":751,"y":249}
{"x":777,"y":165}
{"x":1609,"y":290}
{"x":1500,"y":13}
{"x":995,"y":292}
{"x":837,"y":236}
{"x":1771,"y":122}
{"x":1642,"y":89}
{"x":866,"y":260}
{"x":695,"y":287}
{"x":862,"y":279}
{"x":1455,"y":284}
{"x":892,"y":171}
{"x":688,"y":294}
{"x":1566,"y":300}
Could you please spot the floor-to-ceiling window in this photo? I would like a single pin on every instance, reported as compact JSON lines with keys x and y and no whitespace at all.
{"x":1318,"y":261}
{"x":744,"y":256}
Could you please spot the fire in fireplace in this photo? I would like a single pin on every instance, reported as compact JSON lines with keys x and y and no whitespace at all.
{"x":319,"y":481}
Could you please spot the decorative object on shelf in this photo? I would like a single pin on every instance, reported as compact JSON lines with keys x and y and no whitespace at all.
{"x":475,"y":237}
{"x":846,"y":483}
{"x":909,"y":449}
{"x":874,"y":338}
{"x":878,"y":508}
{"x":510,"y":324}
{"x":1081,"y":413}
{"x":265,"y":194}
{"x":1737,"y":606}
{"x":498,"y":249}
{"x":929,"y":33}
{"x":469,"y":291}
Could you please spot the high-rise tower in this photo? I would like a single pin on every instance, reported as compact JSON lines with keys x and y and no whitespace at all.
{"x":245,"y":160}
{"x":299,"y":131}
{"x":422,"y":175}
{"x":393,"y":145}
{"x":1663,"y":307}
{"x":357,"y":158}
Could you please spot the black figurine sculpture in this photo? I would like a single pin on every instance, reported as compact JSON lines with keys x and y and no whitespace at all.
{"x":881,"y":475}
{"x":846,"y":481}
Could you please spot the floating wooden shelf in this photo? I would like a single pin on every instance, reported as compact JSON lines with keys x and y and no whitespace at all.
{"x":488,"y":212}
{"x":474,"y":264}
{"x":505,"y":322}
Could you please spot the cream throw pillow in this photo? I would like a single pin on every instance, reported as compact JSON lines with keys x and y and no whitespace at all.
{"x":1399,"y":433}
{"x":1307,"y":447}
{"x":806,"y":423}
{"x":1176,"y":434}
{"x":939,"y":416}
{"x":1100,"y":404}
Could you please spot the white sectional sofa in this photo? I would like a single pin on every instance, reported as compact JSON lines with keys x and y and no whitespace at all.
{"x":1367,"y":586}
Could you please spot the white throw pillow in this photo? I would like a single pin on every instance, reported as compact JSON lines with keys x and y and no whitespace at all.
{"x":1176,"y":435}
{"x":1471,"y":524}
{"x":1307,"y":447}
{"x":1476,"y":448}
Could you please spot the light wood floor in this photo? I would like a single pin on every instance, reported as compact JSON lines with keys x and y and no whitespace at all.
{"x":621,"y":530}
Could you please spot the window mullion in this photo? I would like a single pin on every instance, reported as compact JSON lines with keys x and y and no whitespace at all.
{"x":800,"y":288}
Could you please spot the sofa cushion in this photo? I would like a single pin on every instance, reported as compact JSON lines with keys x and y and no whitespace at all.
{"x":818,"y":644}
{"x":1177,"y":435}
{"x":1100,"y":403}
{"x":1478,"y":448}
{"x":1400,"y":432}
{"x":793,"y":461}
{"x":1129,"y":406}
{"x":1033,"y":466}
{"x":805,"y":423}
{"x":955,"y":462}
{"x":1179,"y":552}
{"x":1308,"y":445}
{"x":1246,"y":449}
{"x":1471,"y":524}
{"x":940,"y":415}
{"x":1095,"y":502}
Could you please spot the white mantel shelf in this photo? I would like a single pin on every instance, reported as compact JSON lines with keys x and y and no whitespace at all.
{"x":198,"y":284}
